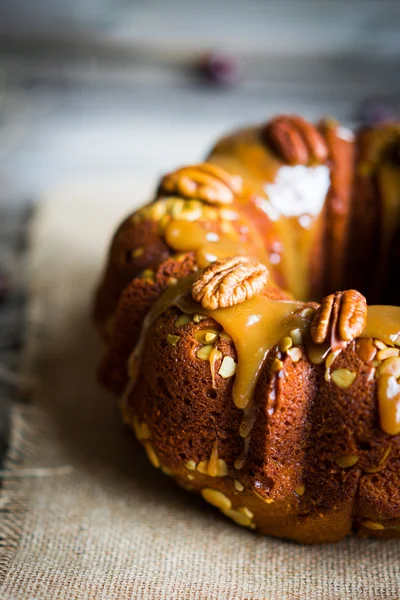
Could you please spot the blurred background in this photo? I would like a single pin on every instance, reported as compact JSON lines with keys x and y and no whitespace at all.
{"x":115,"y":92}
{"x":99,"y":88}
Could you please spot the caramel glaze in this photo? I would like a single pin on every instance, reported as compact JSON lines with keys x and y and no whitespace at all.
{"x":211,"y":244}
{"x":291,"y":231}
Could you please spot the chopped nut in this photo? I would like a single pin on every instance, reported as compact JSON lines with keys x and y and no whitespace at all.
{"x":387,"y":353}
{"x":238,"y":486}
{"x":228,"y":282}
{"x":197,"y":318}
{"x":210,"y":337}
{"x":297,"y":337}
{"x":285,"y":344}
{"x":308,"y":313}
{"x":202,"y":467}
{"x":380,"y":345}
{"x":206,"y":336}
{"x":238,"y":517}
{"x":204,"y":352}
{"x":152,"y":456}
{"x":213,"y":462}
{"x":340,"y":318}
{"x":172,"y":340}
{"x":191,"y":214}
{"x":222,"y":468}
{"x":385,"y":454}
{"x":217,"y":467}
{"x":216,"y":498}
{"x":295,"y":354}
{"x":191,"y":465}
{"x":137,"y":252}
{"x":158,"y":210}
{"x":227,"y":368}
{"x":183,"y":320}
{"x":343,"y":378}
{"x":276,"y":366}
{"x":245,"y":511}
{"x":177,"y":208}
{"x":372,"y":525}
{"x":347,"y":460}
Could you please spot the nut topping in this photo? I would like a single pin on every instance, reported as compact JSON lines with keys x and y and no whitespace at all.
{"x":340,"y":318}
{"x":205,"y":181}
{"x":297,"y":141}
{"x":228,"y":282}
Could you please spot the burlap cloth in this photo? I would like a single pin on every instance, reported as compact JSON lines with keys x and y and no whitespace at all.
{"x":86,"y":516}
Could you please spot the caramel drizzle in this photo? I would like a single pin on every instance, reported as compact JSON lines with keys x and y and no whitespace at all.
{"x":383,"y":323}
{"x":209,"y":245}
{"x":255,"y":327}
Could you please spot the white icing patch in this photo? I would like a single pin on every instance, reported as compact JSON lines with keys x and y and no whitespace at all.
{"x":345,"y":134}
{"x":296,"y":191}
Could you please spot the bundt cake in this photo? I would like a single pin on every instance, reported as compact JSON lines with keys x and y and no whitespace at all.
{"x":282,"y":412}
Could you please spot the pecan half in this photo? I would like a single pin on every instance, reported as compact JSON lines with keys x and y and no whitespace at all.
{"x":296,"y":141}
{"x":340,"y":319}
{"x":205,"y":181}
{"x":228,"y":282}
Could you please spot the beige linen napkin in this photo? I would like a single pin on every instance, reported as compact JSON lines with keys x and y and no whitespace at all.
{"x":85,"y":515}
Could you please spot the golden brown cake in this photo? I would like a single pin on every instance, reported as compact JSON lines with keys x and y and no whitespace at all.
{"x":282,"y":412}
